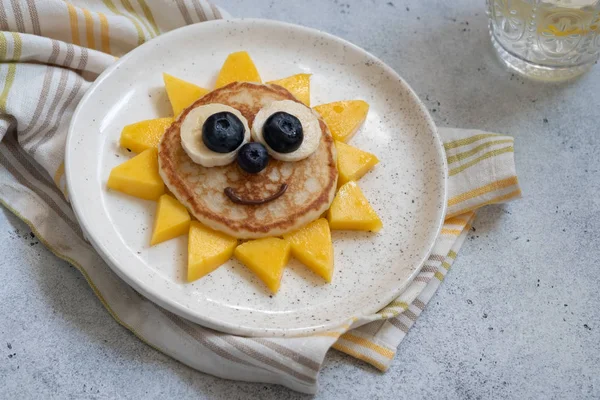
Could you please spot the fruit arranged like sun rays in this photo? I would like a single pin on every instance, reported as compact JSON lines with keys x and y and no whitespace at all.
{"x":144,"y":134}
{"x":210,"y":246}
{"x":351,"y":210}
{"x":172,"y":220}
{"x":139,"y":176}
{"x":344,"y":118}
{"x":265,"y":257}
{"x":207,"y":250}
{"x":298,"y":85}
{"x":238,"y":67}
{"x":181,"y":93}
{"x":312,"y":246}
{"x":353,"y":163}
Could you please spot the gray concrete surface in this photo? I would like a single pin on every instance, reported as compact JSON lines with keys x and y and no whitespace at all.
{"x":517,"y":316}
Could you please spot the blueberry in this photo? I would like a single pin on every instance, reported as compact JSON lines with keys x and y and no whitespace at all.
{"x":283,"y":132}
{"x":253,"y":157}
{"x":223,"y":132}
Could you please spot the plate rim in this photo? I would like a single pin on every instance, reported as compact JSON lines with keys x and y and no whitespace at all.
{"x":163,"y":300}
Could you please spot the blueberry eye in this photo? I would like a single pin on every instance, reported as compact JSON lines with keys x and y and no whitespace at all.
{"x":211,"y":134}
{"x":289,"y":130}
{"x":223,"y":132}
{"x":283,"y":132}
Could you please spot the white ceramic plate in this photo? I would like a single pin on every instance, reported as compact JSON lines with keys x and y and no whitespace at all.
{"x":408,"y":187}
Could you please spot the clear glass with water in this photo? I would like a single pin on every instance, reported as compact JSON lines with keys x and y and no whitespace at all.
{"x":549,"y":40}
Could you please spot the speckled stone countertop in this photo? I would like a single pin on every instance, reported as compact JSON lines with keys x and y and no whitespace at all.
{"x":516,"y":317}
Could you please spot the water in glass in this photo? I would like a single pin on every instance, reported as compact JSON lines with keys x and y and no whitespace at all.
{"x":549,"y":40}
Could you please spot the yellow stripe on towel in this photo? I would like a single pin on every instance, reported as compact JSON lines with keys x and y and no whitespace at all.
{"x":462,"y":142}
{"x":104,"y":35}
{"x":472,"y":152}
{"x":485,"y":156}
{"x":74,"y":24}
{"x":456,"y":221}
{"x":368,"y":344}
{"x":140,"y":32}
{"x":498,"y":199}
{"x":360,"y":356}
{"x":497,"y":185}
{"x":149,"y":16}
{"x":89,"y":29}
{"x":134,"y":14}
{"x":454,"y":232}
{"x":12,"y":67}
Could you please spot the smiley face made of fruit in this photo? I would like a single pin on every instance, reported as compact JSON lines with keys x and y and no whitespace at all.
{"x":256,"y":168}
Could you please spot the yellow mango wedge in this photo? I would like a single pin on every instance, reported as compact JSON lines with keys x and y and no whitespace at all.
{"x":265,"y":257}
{"x":181,"y":93}
{"x":144,"y":134}
{"x":139,"y":176}
{"x":312,"y":246}
{"x":343,"y":118}
{"x":207,"y":250}
{"x":238,"y":67}
{"x":298,"y":85}
{"x":351,"y":211}
{"x":353,"y":163}
{"x":172,"y":220}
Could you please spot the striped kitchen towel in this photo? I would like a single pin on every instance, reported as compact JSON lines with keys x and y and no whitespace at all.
{"x":51,"y":51}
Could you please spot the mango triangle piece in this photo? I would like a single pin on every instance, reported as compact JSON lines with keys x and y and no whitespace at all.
{"x":265,"y":257}
{"x":312,"y":246}
{"x":343,"y":118}
{"x":143,"y":135}
{"x":172,"y":220}
{"x":207,"y":250}
{"x":350,"y":210}
{"x":298,"y":85}
{"x":181,"y":93}
{"x":238,"y":67}
{"x":353,"y":163}
{"x":139,"y":176}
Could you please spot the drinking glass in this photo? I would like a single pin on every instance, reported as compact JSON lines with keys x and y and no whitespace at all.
{"x":550,"y":40}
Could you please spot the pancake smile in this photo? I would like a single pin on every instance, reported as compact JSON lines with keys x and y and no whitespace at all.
{"x":233,"y":196}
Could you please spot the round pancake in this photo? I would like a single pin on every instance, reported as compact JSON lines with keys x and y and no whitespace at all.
{"x":311,"y":182}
